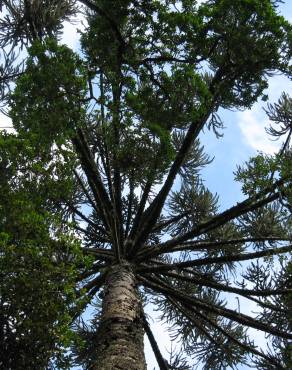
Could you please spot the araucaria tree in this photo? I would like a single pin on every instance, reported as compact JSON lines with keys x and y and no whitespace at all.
{"x":102,"y":202}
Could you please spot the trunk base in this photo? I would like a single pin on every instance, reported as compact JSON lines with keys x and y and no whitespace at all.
{"x":120,"y":334}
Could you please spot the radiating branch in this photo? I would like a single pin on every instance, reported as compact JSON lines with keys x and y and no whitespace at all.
{"x":86,"y":192}
{"x":130,"y":205}
{"x":159,"y":358}
{"x":150,"y":216}
{"x":93,"y":177}
{"x":212,"y":245}
{"x":103,"y":254}
{"x":246,"y":293}
{"x":162,"y":287}
{"x":221,"y":219}
{"x":217,"y":327}
{"x":217,"y":260}
{"x":91,"y":288}
{"x":86,"y":219}
{"x":97,"y":267}
{"x":90,"y":234}
{"x":97,"y":282}
{"x":203,"y":281}
{"x":142,"y":204}
{"x":169,"y":221}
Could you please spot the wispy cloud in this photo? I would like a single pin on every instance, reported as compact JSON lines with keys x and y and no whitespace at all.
{"x":71,"y":36}
{"x":252,"y":123}
{"x":6,"y":123}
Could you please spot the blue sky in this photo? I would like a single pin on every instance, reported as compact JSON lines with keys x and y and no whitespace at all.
{"x":244,"y":135}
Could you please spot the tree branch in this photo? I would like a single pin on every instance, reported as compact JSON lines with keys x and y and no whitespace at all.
{"x":198,"y":245}
{"x":91,"y":201}
{"x":217,"y":260}
{"x":159,"y":358}
{"x":246,"y":293}
{"x":226,"y":288}
{"x":168,"y":222}
{"x":213,"y":245}
{"x":86,"y":219}
{"x":91,"y":235}
{"x":130,"y":204}
{"x":94,"y":270}
{"x":151,"y":215}
{"x":92,"y":287}
{"x":97,"y":282}
{"x":240,"y":209}
{"x":220,"y":311}
{"x":89,"y":166}
{"x":117,"y":190}
{"x":104,"y":254}
{"x":145,"y":195}
{"x":220,"y":329}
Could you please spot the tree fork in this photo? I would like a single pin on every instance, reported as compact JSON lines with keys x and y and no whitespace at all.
{"x":120,"y":334}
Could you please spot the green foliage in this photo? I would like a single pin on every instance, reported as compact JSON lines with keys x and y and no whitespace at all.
{"x":38,"y":288}
{"x":40,"y":258}
{"x":260,"y":171}
{"x":197,"y":202}
{"x":287,"y":351}
{"x":256,"y":174}
{"x":280,"y":114}
{"x":47,"y":101}
{"x":24,"y":21}
{"x":243,"y":52}
{"x":174,"y":102}
{"x":24,"y":165}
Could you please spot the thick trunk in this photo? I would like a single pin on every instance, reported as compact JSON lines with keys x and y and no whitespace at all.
{"x":120,"y":333}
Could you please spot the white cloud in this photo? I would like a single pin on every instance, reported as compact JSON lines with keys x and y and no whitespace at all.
{"x":70,"y":35}
{"x":5,"y":123}
{"x":252,"y":122}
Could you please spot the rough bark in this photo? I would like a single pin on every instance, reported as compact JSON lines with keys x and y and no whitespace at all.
{"x":120,"y":334}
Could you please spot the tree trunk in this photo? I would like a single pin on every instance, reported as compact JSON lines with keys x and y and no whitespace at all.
{"x":120,"y":333}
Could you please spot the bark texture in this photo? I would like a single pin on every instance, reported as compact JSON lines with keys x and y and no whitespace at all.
{"x":120,"y":334}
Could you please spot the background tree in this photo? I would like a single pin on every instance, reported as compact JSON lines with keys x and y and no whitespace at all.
{"x":103,"y":192}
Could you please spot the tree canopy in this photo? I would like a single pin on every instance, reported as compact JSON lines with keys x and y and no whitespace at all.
{"x":102,"y":175}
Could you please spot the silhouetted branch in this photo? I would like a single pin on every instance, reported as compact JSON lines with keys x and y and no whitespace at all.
{"x":243,"y":319}
{"x":213,"y":245}
{"x":213,"y":324}
{"x":150,"y":216}
{"x":221,"y":219}
{"x":89,"y":166}
{"x":159,"y":358}
{"x":218,"y":260}
{"x":204,"y":281}
{"x":101,"y":253}
{"x":86,"y":192}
